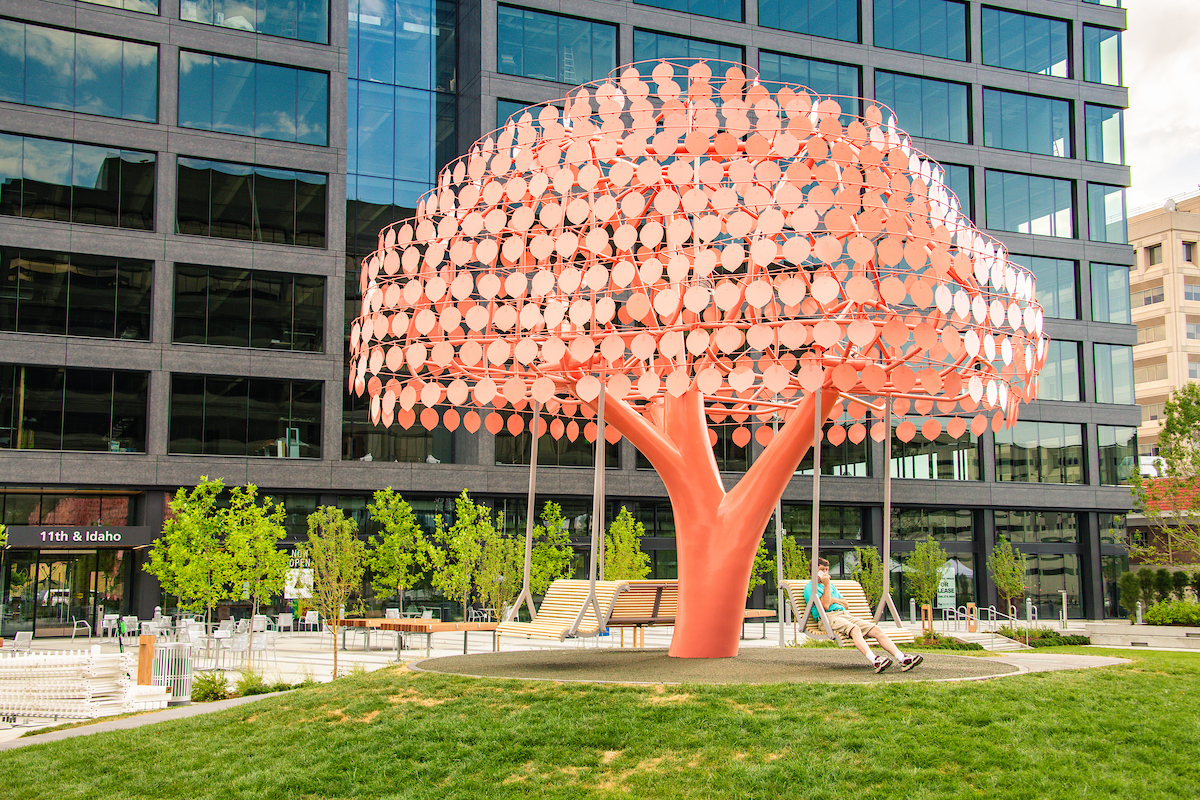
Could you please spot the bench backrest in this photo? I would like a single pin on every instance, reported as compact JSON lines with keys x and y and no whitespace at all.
{"x":647,"y":599}
{"x":853,"y":598}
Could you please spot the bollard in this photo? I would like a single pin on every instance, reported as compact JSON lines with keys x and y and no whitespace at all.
{"x":1062,"y":616}
{"x":912,"y":611}
{"x":1029,"y":611}
{"x":1139,"y":612}
{"x":145,"y":660}
{"x":972,"y":618}
{"x":926,"y":618}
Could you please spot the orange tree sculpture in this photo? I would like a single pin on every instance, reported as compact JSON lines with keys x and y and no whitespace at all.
{"x":699,"y":249}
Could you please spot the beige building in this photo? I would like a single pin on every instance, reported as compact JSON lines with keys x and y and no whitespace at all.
{"x":1164,"y":290}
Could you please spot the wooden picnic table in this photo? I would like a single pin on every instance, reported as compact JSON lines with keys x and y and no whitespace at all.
{"x":425,"y":626}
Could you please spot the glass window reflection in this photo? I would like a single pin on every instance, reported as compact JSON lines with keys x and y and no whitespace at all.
{"x":648,"y":45}
{"x":829,"y":19}
{"x":1114,"y":374}
{"x":1027,"y":123}
{"x":720,"y":9}
{"x":217,"y":415}
{"x":1118,"y":450}
{"x":929,"y":27}
{"x":1054,"y":284}
{"x":1110,"y":293}
{"x":47,"y":408}
{"x":1101,"y":55}
{"x":552,"y":47}
{"x":1106,"y":214}
{"x":925,"y":107}
{"x":1059,"y":379}
{"x":1029,"y":204}
{"x":306,"y":20}
{"x":823,"y":77}
{"x":1026,"y":42}
{"x":1105,"y":134}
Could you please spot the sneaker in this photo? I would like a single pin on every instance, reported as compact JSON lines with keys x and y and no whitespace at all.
{"x":882,"y":663}
{"x":908,"y":662}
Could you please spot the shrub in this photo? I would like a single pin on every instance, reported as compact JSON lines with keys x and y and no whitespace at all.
{"x":1146,"y":578}
{"x":209,"y":686}
{"x":251,"y":682}
{"x":1131,"y":589}
{"x":1180,"y":579}
{"x":1163,"y":584}
{"x":1055,"y":639}
{"x":1175,"y":612}
{"x":1196,"y":584}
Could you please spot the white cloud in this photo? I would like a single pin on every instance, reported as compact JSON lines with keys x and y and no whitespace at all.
{"x":1162,"y":126}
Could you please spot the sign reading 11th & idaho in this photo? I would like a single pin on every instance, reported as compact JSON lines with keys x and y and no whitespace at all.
{"x":37,"y":537}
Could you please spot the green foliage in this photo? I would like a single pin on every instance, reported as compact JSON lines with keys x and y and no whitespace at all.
{"x":1146,"y":579}
{"x":1174,"y":612}
{"x":338,"y":557}
{"x":190,"y":559}
{"x":3,"y":536}
{"x":1131,"y":592}
{"x":552,"y":553}
{"x":251,"y":682}
{"x":868,"y":571}
{"x":455,"y":557}
{"x":1043,"y":637}
{"x":933,"y":641}
{"x":623,"y":556}
{"x":1196,"y":584}
{"x":1162,"y":584}
{"x":400,"y":554}
{"x":257,"y":566}
{"x":209,"y":686}
{"x":796,"y":566}
{"x":501,"y":565}
{"x":1007,"y":566}
{"x":925,"y":570}
{"x":1179,"y":580}
{"x":1171,"y":502}
{"x":763,"y":566}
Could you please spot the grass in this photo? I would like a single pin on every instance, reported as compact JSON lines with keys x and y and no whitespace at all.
{"x":1122,"y":731}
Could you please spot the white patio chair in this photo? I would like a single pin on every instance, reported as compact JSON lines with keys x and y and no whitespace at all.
{"x":312,"y":621}
{"x":22,"y":641}
{"x":237,"y":646}
{"x":78,"y":625}
{"x":391,"y":613}
{"x":284,"y":620}
{"x":259,"y":623}
{"x":109,"y":626}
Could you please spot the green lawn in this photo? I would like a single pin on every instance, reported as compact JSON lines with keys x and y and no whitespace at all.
{"x":1130,"y":731}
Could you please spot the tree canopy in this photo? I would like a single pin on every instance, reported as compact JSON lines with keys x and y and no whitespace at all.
{"x":1171,"y":501}
{"x":399,"y":554}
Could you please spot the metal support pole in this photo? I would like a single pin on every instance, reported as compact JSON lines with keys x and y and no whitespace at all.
{"x":526,"y":596}
{"x":597,"y":520}
{"x":885,"y":600}
{"x":781,"y":605}
{"x":813,"y":602}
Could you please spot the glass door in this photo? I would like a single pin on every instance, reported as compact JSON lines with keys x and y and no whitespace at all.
{"x":65,"y":591}
{"x":20,"y":596}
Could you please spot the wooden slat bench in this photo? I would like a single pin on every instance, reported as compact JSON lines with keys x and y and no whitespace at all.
{"x":425,"y":626}
{"x":560,"y":608}
{"x":644,"y":603}
{"x":855,"y":601}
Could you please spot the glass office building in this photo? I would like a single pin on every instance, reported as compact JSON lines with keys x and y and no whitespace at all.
{"x":182,"y":227}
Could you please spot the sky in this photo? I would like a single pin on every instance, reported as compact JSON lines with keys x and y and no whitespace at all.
{"x":1162,"y":125}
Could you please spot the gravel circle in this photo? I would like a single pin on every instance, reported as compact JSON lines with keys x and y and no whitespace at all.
{"x":758,"y":665}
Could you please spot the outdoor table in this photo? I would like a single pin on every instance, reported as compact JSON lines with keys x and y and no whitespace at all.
{"x":425,"y":626}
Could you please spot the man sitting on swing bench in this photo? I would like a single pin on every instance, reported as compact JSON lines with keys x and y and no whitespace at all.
{"x":854,"y":628}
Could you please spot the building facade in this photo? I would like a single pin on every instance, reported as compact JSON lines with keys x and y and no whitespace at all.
{"x":1164,"y":286}
{"x":188,"y":185}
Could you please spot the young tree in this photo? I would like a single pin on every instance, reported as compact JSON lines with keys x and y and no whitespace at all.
{"x":868,"y":571}
{"x":501,"y":564}
{"x":1162,"y":584}
{"x":623,"y":556}
{"x":1146,"y":579}
{"x":764,"y":565}
{"x":796,"y":566}
{"x":455,"y":559}
{"x":1131,"y":592}
{"x":1008,"y":572}
{"x":1180,"y":580}
{"x":552,"y":552}
{"x":338,"y":558}
{"x":257,"y":566}
{"x":190,"y":559}
{"x":925,"y":570}
{"x":686,"y":300}
{"x":399,"y":557}
{"x":1171,"y":502}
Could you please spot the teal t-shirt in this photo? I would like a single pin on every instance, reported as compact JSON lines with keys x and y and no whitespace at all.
{"x":834,"y":593}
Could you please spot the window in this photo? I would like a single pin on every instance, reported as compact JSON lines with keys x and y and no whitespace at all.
{"x":55,"y":408}
{"x":823,"y":77}
{"x":721,"y":9}
{"x":53,"y":68}
{"x":1150,"y":370}
{"x":364,"y":441}
{"x":71,"y":182}
{"x":261,"y":204}
{"x":845,"y":460}
{"x":648,"y":45}
{"x":1146,"y":294}
{"x":1193,"y":369}
{"x":234,"y":416}
{"x":1109,"y":3}
{"x":1101,"y":55}
{"x":1154,"y":255}
{"x":1110,"y":293}
{"x":1114,"y":374}
{"x":924,"y":107}
{"x":1042,"y":527}
{"x":1059,"y":379}
{"x":837,"y":522}
{"x":141,"y":6}
{"x":1028,"y":204}
{"x":554,"y":48}
{"x":404,"y":43}
{"x":830,"y":19}
{"x":249,"y":308}
{"x":958,"y":180}
{"x":943,"y":525}
{"x":307,"y":21}
{"x":1189,"y":252}
{"x":945,"y":458}
{"x":1191,"y":291}
{"x":74,"y":294}
{"x":1027,"y":43}
{"x":1153,"y":411}
{"x":557,"y":452}
{"x":928,"y":27}
{"x":1118,"y":454}
{"x":1104,"y":128}
{"x":1054,"y":284}
{"x":398,"y":138}
{"x":1106,"y":214}
{"x":217,"y":93}
{"x":1040,"y":452}
{"x":1154,"y":331}
{"x":1027,"y":123}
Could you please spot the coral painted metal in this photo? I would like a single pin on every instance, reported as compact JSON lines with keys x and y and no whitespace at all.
{"x":708,"y":250}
